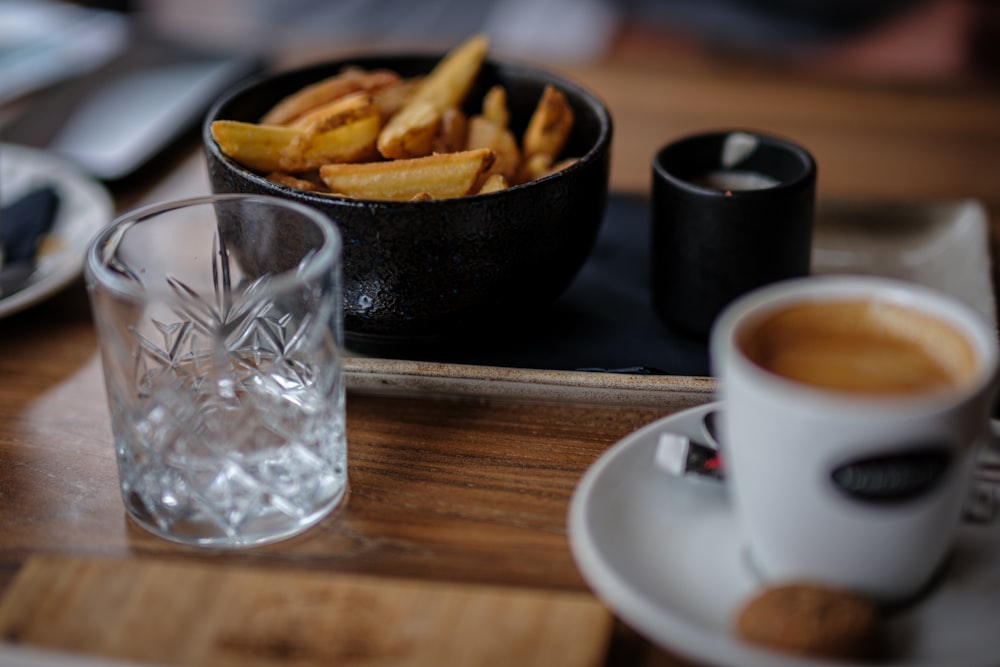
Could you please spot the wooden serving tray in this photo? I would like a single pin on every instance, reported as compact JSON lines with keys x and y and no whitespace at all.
{"x":173,"y":613}
{"x":606,"y":318}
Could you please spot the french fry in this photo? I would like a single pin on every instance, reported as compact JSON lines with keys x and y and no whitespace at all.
{"x":254,"y":146}
{"x":565,"y":163}
{"x":493,"y":183}
{"x":269,"y":148}
{"x":484,"y":133}
{"x":350,"y":142}
{"x":294,"y":182}
{"x":495,"y":106}
{"x":549,"y":126}
{"x":393,"y":97}
{"x":349,"y":80}
{"x":445,"y":86}
{"x":439,"y":175}
{"x":534,"y":167}
{"x":449,"y":81}
{"x":451,"y":133}
{"x":541,"y":165}
{"x":341,"y":131}
{"x":338,"y":112}
{"x":416,"y":126}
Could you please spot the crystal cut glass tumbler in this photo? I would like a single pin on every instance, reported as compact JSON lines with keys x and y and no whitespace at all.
{"x":219,"y":321}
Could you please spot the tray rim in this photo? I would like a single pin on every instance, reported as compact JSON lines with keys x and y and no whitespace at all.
{"x":373,"y":375}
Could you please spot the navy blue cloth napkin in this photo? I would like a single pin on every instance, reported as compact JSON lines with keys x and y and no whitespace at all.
{"x":23,"y":224}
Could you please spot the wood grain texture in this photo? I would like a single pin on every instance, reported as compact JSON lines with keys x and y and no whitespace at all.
{"x":247,"y":617}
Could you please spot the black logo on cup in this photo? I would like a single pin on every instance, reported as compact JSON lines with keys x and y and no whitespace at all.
{"x":897,"y":477}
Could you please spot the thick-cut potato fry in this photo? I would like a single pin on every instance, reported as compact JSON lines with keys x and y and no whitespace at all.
{"x":445,"y":86}
{"x":549,"y":126}
{"x":342,"y":131}
{"x":439,"y":175}
{"x":350,"y":142}
{"x":533,"y":166}
{"x":291,"y":181}
{"x":449,"y":81}
{"x":256,"y":147}
{"x":493,"y":183}
{"x":495,"y":106}
{"x":394,"y":97}
{"x":565,"y":163}
{"x":414,"y":133}
{"x":541,"y":165}
{"x":451,"y":134}
{"x":268,"y":148}
{"x":350,"y":80}
{"x":484,"y":133}
{"x":338,"y":112}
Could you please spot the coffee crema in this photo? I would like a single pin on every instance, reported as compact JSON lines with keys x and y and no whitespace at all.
{"x":734,"y":179}
{"x":861,"y":346}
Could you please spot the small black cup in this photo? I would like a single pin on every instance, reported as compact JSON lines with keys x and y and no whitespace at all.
{"x":731,"y":211}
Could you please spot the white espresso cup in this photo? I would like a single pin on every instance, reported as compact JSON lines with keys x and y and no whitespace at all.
{"x":853,"y":410}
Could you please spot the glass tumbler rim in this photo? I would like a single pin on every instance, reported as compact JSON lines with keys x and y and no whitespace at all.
{"x":324,"y":259}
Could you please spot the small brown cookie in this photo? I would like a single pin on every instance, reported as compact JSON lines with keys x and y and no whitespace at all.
{"x":811,"y":619}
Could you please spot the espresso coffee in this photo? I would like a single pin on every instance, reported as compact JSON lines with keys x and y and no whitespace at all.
{"x":860,"y":346}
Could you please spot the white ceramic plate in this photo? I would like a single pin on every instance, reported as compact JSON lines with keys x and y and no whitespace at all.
{"x":663,"y":553}
{"x":84,"y":208}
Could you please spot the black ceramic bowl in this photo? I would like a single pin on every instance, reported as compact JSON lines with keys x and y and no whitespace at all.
{"x":418,"y":272}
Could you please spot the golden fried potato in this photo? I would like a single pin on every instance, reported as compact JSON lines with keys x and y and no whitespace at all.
{"x":495,"y":106}
{"x":352,"y":141}
{"x":444,"y":87}
{"x":540,"y":165}
{"x":493,"y":183}
{"x":256,"y":147}
{"x":439,"y":175}
{"x":412,"y":133}
{"x":338,"y":112}
{"x":393,"y":97}
{"x":449,"y":82}
{"x":565,"y":163}
{"x":484,"y":133}
{"x":451,"y":133}
{"x":350,"y":80}
{"x":549,"y":126}
{"x":269,"y":148}
{"x":534,"y":166}
{"x":295,"y":182}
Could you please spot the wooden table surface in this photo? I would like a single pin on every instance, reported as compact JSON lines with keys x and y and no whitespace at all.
{"x":462,"y":489}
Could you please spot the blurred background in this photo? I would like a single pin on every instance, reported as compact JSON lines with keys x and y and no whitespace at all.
{"x":901,"y":39}
{"x":888,"y":39}
{"x":911,"y":39}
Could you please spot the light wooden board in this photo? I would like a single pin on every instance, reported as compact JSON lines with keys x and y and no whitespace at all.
{"x":173,"y":613}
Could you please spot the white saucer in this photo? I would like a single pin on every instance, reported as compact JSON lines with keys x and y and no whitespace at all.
{"x":84,"y":208}
{"x":664,"y":554}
